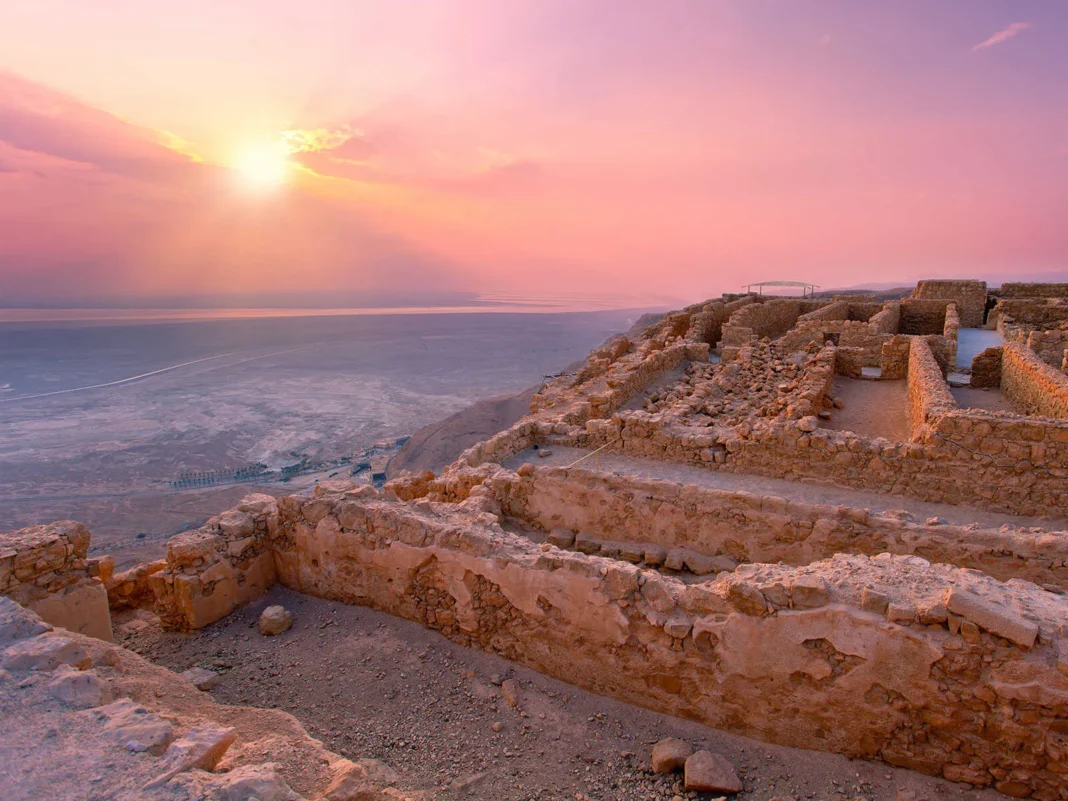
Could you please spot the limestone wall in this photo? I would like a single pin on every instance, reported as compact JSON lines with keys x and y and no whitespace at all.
{"x":1032,"y":385}
{"x":47,"y":569}
{"x":922,"y":317}
{"x":662,"y":517}
{"x":970,"y":297}
{"x":1050,"y":346}
{"x":215,"y":568}
{"x":1028,"y":290}
{"x":771,"y":319}
{"x":887,"y":321}
{"x":925,"y":666}
{"x":986,"y":369}
{"x":1040,"y":314}
{"x":929,"y":395}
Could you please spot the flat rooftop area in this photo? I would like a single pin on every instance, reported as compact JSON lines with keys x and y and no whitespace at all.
{"x":871,"y":408}
{"x":625,"y":465}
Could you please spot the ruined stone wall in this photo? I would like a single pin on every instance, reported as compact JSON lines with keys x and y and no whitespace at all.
{"x":47,"y":570}
{"x":894,"y":359}
{"x":1027,"y":290}
{"x":671,"y":522}
{"x":923,"y":317}
{"x":925,"y":666}
{"x":970,"y":297}
{"x":986,"y":369}
{"x":1050,"y":346}
{"x":708,"y":323}
{"x":771,"y":319}
{"x":929,"y":395}
{"x":888,"y":320}
{"x":1032,"y":385}
{"x":993,"y":461}
{"x":217,"y":567}
{"x":1040,"y":314}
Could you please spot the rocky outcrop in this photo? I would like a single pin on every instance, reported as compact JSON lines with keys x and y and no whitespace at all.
{"x":138,"y":732}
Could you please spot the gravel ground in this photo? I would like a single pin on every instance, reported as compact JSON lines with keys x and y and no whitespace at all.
{"x":372,"y":685}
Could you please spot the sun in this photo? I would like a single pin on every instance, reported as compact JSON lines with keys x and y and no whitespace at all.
{"x":263,"y":168}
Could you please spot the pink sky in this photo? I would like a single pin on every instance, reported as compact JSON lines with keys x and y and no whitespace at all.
{"x":668,"y":150}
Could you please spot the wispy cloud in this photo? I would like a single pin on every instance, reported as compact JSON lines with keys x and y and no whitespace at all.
{"x":1003,"y":35}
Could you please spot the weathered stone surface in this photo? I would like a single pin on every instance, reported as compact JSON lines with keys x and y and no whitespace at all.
{"x":706,"y":772}
{"x":18,"y":623}
{"x":202,"y":678}
{"x":670,"y":754}
{"x":275,"y":620}
{"x":82,"y":689}
{"x":200,"y":747}
{"x":995,"y":618}
{"x":46,"y":653}
{"x":261,"y":782}
{"x":133,"y":727}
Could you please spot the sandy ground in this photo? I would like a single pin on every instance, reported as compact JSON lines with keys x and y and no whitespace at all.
{"x":992,"y":400}
{"x":871,"y":408}
{"x":622,"y":464}
{"x":371,"y":685}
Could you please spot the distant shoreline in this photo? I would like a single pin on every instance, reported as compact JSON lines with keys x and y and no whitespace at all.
{"x":196,"y":315}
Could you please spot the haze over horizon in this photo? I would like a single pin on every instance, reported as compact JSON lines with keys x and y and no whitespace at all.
{"x":151,"y":153}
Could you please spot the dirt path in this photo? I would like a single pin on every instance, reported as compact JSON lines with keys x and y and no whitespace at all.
{"x":372,"y":685}
{"x":622,"y":464}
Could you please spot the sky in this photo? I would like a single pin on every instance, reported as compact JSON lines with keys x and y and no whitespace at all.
{"x":224,"y":151}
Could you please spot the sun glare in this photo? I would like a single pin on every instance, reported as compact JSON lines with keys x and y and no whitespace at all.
{"x":263,"y":168}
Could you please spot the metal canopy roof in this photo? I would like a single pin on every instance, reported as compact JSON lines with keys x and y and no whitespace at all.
{"x":806,"y":287}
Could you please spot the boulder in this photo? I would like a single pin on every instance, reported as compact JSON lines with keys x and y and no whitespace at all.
{"x":670,"y":754}
{"x":275,"y":620}
{"x":706,"y":772}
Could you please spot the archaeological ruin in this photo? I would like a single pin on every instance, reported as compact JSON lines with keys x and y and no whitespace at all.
{"x":832,"y":523}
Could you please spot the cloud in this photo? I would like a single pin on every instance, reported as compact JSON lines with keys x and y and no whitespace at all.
{"x":1003,"y":35}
